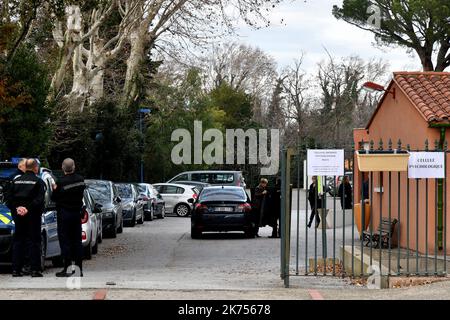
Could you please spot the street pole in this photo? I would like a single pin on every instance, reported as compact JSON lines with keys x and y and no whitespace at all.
{"x":142,"y":148}
{"x":141,"y":111}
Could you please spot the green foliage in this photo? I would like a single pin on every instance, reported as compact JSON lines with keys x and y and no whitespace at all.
{"x":174,"y":107}
{"x":421,"y":25}
{"x":23,"y":112}
{"x":103,"y":142}
{"x":236,"y":104}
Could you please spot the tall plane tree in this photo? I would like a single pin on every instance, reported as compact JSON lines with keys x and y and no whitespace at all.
{"x":419,"y":25}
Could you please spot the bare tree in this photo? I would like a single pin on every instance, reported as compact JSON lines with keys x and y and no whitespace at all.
{"x":162,"y":23}
{"x":342,"y":98}
{"x":243,"y":68}
{"x":295,"y":87}
{"x":82,"y":44}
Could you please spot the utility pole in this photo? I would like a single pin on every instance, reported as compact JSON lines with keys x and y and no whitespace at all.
{"x":142,"y":111}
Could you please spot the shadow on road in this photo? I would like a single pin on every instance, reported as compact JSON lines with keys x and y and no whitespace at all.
{"x":222,"y":236}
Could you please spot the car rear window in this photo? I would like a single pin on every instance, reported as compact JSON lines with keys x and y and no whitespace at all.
{"x":214,"y":178}
{"x":100,"y":191}
{"x":223,"y":178}
{"x":125,"y":191}
{"x":223,"y":195}
{"x":142,"y":189}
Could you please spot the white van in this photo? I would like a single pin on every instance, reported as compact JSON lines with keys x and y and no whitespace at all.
{"x":219,"y":177}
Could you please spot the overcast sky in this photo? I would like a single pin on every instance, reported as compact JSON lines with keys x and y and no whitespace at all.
{"x":309,"y":27}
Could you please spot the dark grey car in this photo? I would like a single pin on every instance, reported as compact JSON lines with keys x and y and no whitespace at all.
{"x":105,"y":193}
{"x":153,"y":202}
{"x":133,"y":206}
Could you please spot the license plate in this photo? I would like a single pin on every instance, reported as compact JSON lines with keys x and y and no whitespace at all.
{"x":223,"y":209}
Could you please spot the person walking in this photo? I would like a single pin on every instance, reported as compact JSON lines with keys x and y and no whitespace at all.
{"x":345,"y":193}
{"x":68,"y":196}
{"x":275,"y":209}
{"x":314,"y":201}
{"x":259,"y":204}
{"x":26,"y":202}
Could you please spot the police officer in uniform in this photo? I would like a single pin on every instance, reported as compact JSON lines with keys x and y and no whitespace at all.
{"x":26,"y":202}
{"x":68,"y":196}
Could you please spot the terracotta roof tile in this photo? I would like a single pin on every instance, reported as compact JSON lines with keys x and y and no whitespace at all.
{"x":429,"y":92}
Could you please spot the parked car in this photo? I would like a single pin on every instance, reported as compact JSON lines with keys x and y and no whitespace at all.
{"x":222,"y":209}
{"x":197,"y":184}
{"x":105,"y":193}
{"x":219,"y":177}
{"x":176,"y":197}
{"x":91,"y":225}
{"x":133,"y":207}
{"x":50,"y":248}
{"x":153,"y":201}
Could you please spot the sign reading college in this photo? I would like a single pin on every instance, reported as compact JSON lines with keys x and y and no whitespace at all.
{"x":426,"y":165}
{"x":325,"y":162}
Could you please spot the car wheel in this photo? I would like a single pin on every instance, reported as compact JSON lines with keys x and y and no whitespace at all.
{"x":182,"y":210}
{"x":133,"y":220}
{"x":43,"y":251}
{"x":95,"y":248}
{"x":113,"y":232}
{"x":152,"y":213}
{"x":195,"y":234}
{"x":88,"y":252}
{"x":249,"y":234}
{"x":100,"y":236}
{"x":141,"y":220}
{"x":120,"y":229}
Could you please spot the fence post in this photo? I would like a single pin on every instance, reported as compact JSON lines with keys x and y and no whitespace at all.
{"x":286,"y":215}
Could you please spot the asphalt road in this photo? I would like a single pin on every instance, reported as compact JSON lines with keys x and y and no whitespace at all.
{"x":161,"y":255}
{"x":159,"y":260}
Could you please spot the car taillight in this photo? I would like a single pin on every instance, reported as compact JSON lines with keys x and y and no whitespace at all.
{"x":194,"y":196}
{"x":244,"y":207}
{"x":201,"y":207}
{"x":85,"y":217}
{"x":83,"y":235}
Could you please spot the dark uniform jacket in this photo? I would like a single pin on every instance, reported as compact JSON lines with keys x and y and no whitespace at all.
{"x":27,"y":191}
{"x":312,"y":195}
{"x":345,"y":193}
{"x":69,"y":192}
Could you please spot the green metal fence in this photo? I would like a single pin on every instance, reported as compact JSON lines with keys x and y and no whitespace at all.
{"x":410,"y":217}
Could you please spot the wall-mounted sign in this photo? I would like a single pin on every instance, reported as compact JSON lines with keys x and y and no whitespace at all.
{"x":426,"y":165}
{"x":325,"y":162}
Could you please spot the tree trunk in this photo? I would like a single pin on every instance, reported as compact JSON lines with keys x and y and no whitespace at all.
{"x":137,"y":55}
{"x":96,"y":65}
{"x":79,"y":91}
{"x":58,"y":77}
{"x":68,"y":45}
{"x":426,"y":60}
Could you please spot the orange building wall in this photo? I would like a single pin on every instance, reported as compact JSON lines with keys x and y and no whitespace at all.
{"x":398,"y":119}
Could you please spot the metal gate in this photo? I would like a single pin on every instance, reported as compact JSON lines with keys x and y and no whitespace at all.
{"x":399,"y":229}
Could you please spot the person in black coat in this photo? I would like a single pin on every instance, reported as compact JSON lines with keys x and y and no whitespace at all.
{"x":345,"y":193}
{"x":260,"y":204}
{"x":68,"y":196}
{"x":26,"y":200}
{"x":315,"y":202}
{"x":275,"y":208}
